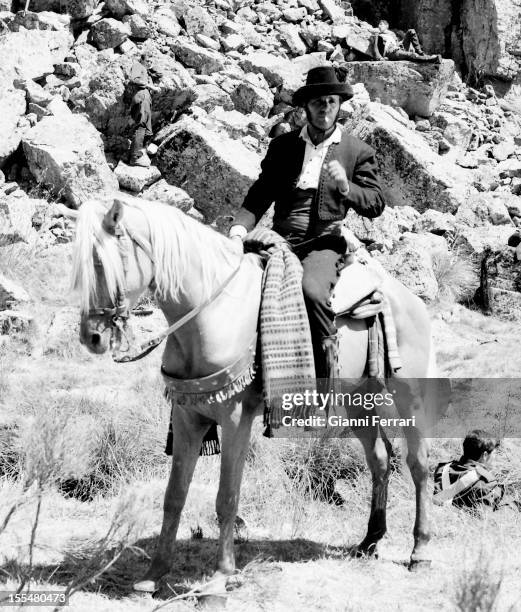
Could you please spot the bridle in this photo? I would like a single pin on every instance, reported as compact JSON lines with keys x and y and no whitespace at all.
{"x":117,"y":315}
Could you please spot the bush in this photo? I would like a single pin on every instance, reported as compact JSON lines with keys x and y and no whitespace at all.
{"x":454,"y":275}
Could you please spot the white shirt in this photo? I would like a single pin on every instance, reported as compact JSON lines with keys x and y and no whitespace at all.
{"x":314,"y":158}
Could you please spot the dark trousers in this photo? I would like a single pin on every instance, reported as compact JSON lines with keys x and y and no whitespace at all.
{"x":321,"y":265}
{"x":138,"y":142}
{"x":411,"y":40}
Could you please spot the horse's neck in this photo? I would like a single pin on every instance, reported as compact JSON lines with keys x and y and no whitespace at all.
{"x":221,"y":332}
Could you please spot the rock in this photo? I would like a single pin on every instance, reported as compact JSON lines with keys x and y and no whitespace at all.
{"x":411,"y":263}
{"x":310,"y":5}
{"x":456,"y":130}
{"x":290,"y":35}
{"x":80,"y":9}
{"x":12,"y":108}
{"x":217,"y":169}
{"x":199,"y":21}
{"x":331,"y":9}
{"x":31,"y":54}
{"x":209,"y":96}
{"x":513,"y":205}
{"x":109,"y":33}
{"x":506,"y":304}
{"x":126,"y":47}
{"x":490,"y":31}
{"x":169,"y":194}
{"x":294,"y":15}
{"x":411,"y":172}
{"x":510,"y":168}
{"x":203,"y":60}
{"x":249,"y":98}
{"x":233,"y":42}
{"x":11,"y":294}
{"x":166,"y":21}
{"x":358,"y":38}
{"x":207,"y":42}
{"x":382,"y":231}
{"x":234,"y":123}
{"x":247,"y":14}
{"x":14,"y":321}
{"x":135,"y":178}
{"x":138,"y":26}
{"x":66,"y":153}
{"x":503,"y":150}
{"x":324,"y":45}
{"x":16,"y":214}
{"x":483,"y":209}
{"x":126,"y":7}
{"x":45,"y":20}
{"x":288,"y":75}
{"x":435,"y":222}
{"x":417,"y":88}
{"x":67,"y":70}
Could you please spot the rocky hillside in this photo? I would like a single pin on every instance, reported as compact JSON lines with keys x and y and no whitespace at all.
{"x":225,"y":72}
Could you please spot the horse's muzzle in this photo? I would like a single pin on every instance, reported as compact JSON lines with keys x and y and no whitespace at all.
{"x":94,"y":335}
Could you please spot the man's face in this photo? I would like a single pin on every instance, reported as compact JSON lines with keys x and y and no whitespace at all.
{"x":383,"y":27}
{"x":322,"y":112}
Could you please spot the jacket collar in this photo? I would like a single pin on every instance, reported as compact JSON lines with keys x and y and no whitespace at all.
{"x":335,"y":137}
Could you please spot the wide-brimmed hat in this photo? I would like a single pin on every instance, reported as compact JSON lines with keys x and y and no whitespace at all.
{"x":322,"y":81}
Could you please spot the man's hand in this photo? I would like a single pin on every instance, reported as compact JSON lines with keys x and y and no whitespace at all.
{"x":338,"y":174}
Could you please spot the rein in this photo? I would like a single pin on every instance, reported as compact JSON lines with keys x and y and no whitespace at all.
{"x":119,"y":314}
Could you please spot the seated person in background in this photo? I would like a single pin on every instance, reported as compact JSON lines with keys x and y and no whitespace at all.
{"x":467,"y":482}
{"x":389,"y":46}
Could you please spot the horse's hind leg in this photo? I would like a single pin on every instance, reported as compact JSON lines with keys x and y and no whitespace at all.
{"x":236,"y":430}
{"x":188,"y":431}
{"x":418,"y":462}
{"x":378,"y":451}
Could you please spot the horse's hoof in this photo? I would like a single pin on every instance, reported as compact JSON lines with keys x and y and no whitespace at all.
{"x":145,"y":586}
{"x":365,"y":552}
{"x":212,"y":594}
{"x":416,"y":565}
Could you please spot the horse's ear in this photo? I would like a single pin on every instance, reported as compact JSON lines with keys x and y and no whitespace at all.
{"x":113,"y":217}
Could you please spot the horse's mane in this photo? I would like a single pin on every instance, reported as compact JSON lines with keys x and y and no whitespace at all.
{"x":175,"y":239}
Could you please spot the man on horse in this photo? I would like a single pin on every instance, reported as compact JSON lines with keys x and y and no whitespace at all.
{"x":315,"y":175}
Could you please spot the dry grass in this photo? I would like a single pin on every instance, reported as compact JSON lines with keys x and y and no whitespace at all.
{"x":454,"y":275}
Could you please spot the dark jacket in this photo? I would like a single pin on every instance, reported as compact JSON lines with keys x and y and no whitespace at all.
{"x":281,"y":169}
{"x":484,"y":491}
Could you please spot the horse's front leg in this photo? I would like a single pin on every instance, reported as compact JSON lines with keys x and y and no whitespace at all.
{"x":378,"y":451}
{"x":188,"y":431}
{"x":236,"y":430}
{"x":418,"y":462}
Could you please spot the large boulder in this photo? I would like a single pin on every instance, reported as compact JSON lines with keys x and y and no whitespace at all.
{"x":11,"y":294}
{"x":12,"y":108}
{"x":216,"y":170}
{"x":286,"y":75}
{"x":491,"y":31}
{"x":252,"y":95}
{"x":31,"y":54}
{"x":205,"y":61}
{"x":411,"y":172}
{"x":417,"y":88}
{"x":411,"y":262}
{"x":136,"y":178}
{"x":66,"y":153}
{"x":109,"y":33}
{"x":169,"y":194}
{"x":16,"y":214}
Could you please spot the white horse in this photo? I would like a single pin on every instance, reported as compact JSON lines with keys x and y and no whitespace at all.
{"x":121,"y":252}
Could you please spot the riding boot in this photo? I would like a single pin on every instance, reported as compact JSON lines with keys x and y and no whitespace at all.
{"x":327,"y":366}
